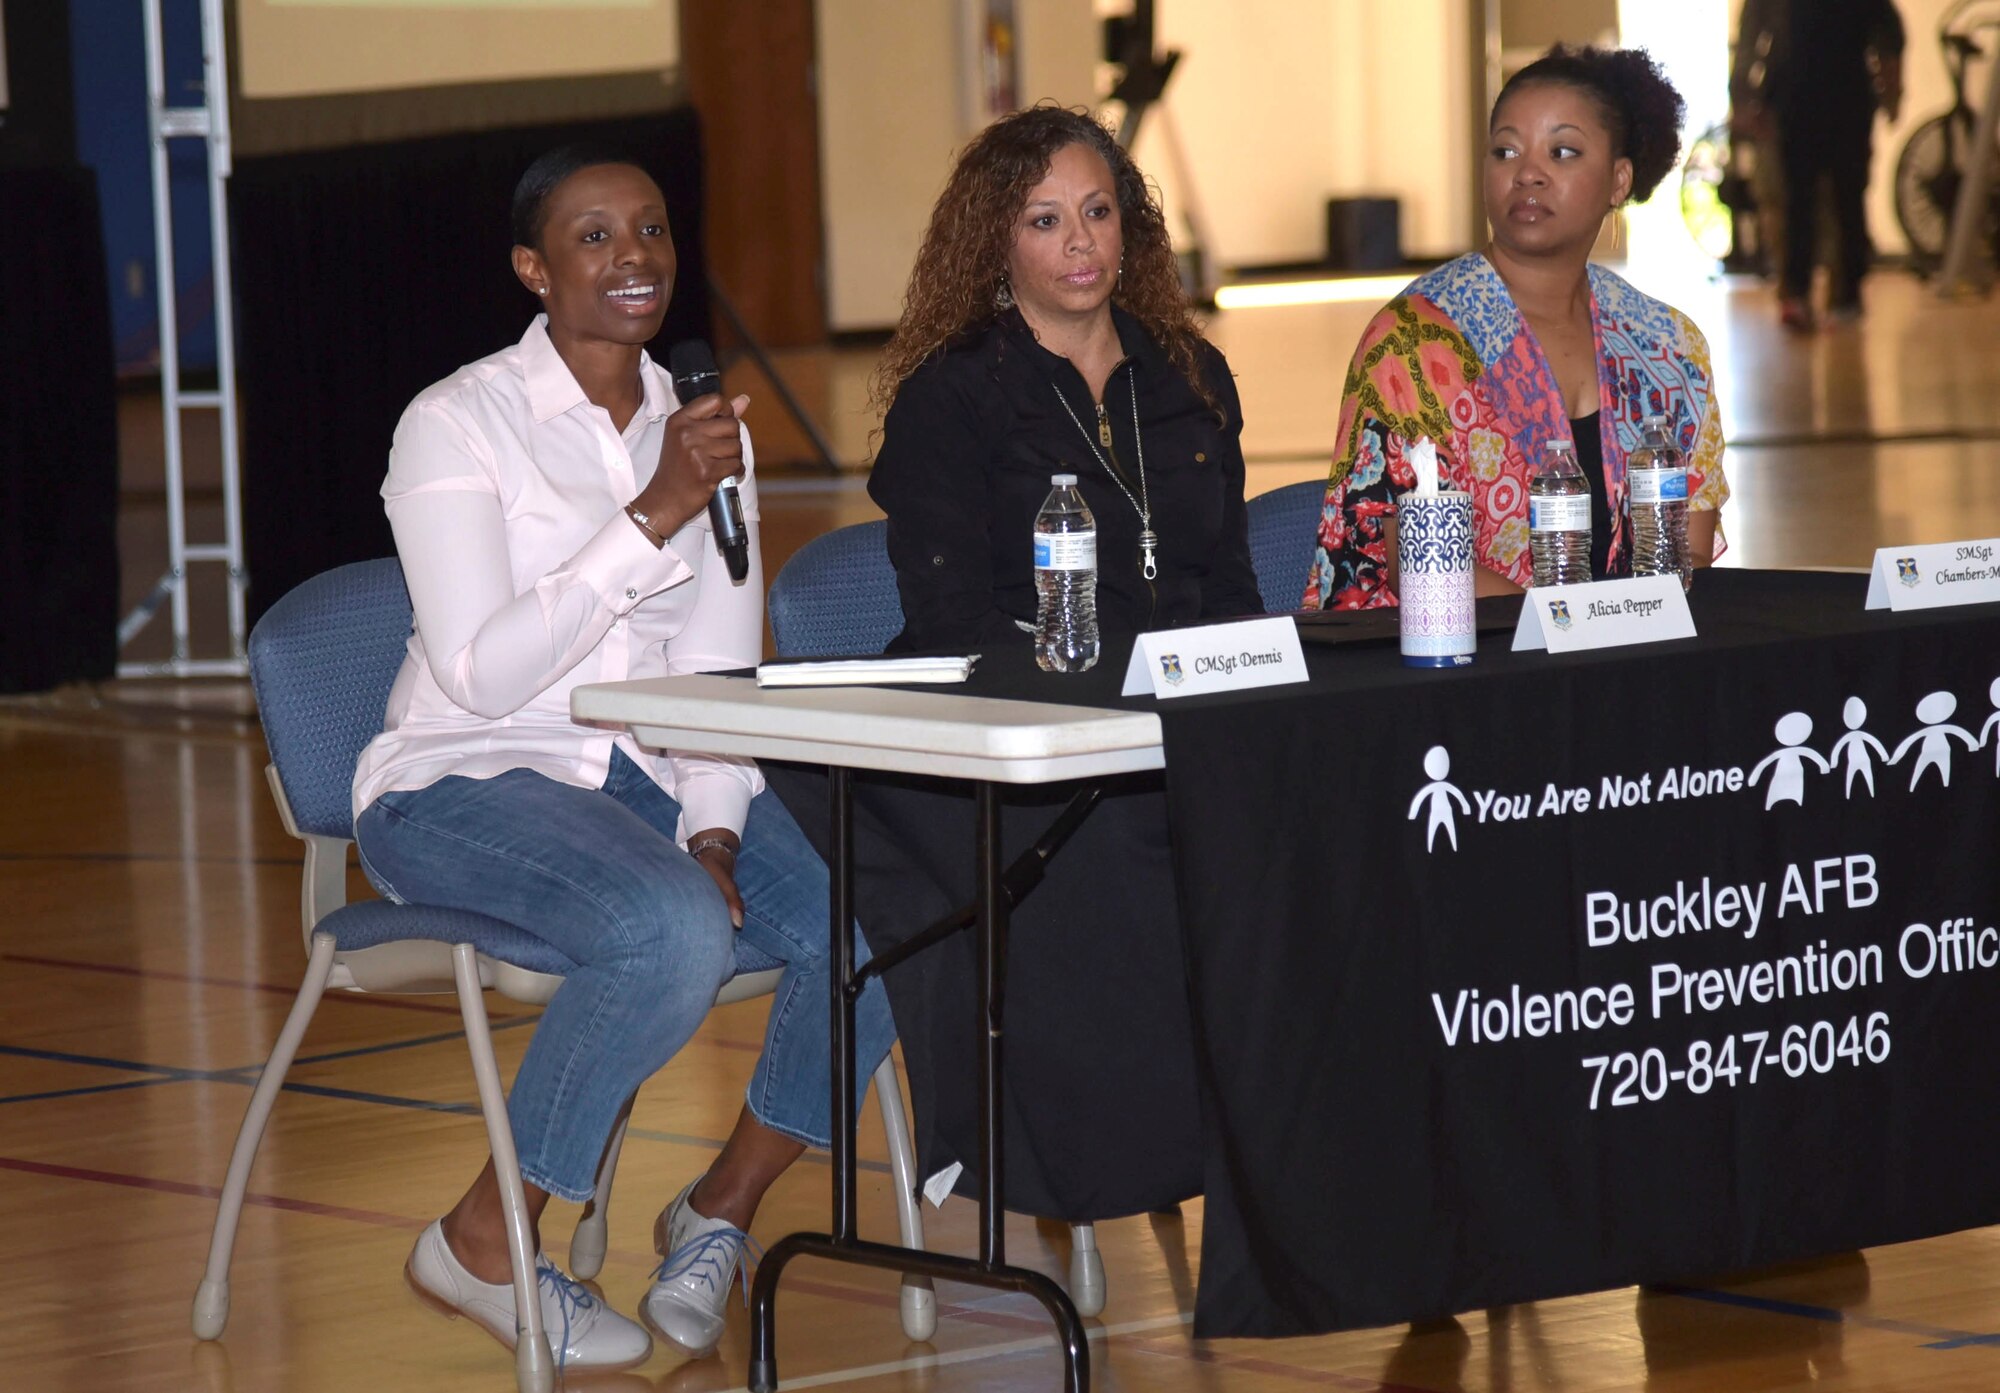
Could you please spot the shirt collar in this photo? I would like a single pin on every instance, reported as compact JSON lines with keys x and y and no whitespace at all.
{"x":1134,"y":342}
{"x":553,"y":389}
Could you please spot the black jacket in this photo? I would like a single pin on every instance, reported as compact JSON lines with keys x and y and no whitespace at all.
{"x":967,"y":451}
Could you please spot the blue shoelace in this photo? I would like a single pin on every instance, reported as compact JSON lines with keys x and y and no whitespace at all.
{"x":572,"y":1298}
{"x":708,"y":1256}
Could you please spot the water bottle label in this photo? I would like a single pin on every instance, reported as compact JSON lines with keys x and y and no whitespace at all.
{"x":1658,"y":485}
{"x":1562,"y":512}
{"x":1066,"y":551}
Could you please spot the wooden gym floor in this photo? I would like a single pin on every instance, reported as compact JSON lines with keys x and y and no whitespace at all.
{"x":152,"y":946}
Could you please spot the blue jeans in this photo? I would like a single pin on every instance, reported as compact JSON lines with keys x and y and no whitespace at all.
{"x":597,"y":874}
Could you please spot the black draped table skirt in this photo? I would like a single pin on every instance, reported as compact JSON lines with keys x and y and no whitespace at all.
{"x":1101,"y":1116}
{"x":1547,"y":975}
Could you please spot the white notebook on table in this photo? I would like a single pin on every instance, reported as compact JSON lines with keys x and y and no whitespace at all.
{"x":853,"y":672}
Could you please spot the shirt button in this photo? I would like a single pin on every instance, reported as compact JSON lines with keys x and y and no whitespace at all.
{"x":630,"y":593}
{"x":1201,"y":457}
{"x":937,"y":561}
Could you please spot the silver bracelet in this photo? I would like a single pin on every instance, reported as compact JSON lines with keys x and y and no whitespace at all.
{"x":697,"y":848}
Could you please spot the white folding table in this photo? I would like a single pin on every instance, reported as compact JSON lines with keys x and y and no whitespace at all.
{"x":935,"y":731}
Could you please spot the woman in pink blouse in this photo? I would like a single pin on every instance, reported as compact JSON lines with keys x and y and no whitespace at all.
{"x":549,"y":507}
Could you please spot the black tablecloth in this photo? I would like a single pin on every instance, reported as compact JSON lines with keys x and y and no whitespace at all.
{"x":1370,"y":1158}
{"x":1368,"y":1155}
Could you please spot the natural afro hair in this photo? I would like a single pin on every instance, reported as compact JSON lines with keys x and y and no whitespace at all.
{"x":1641,"y":108}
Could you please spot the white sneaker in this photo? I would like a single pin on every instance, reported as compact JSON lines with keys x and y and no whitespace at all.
{"x":699,"y":1262}
{"x":583,"y":1332}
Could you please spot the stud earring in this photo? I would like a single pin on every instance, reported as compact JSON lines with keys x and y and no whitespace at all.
{"x":541,"y":290}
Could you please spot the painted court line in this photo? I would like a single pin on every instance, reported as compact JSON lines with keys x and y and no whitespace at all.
{"x":396,"y":1003}
{"x":210,"y":1192}
{"x":124,"y":1087}
{"x":167,"y":858}
{"x":1256,"y":1364}
{"x":969,"y":1356}
{"x":246,"y":1075}
{"x":1936,"y":1336}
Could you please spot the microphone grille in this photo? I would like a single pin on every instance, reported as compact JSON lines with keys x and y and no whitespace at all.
{"x":691,"y":358}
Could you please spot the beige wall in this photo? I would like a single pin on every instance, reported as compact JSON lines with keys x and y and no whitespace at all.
{"x":1530,"y":26}
{"x":297,"y":48}
{"x":1282,"y":104}
{"x":898,"y":95}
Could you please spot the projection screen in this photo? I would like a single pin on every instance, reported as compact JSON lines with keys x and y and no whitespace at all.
{"x":314,"y":48}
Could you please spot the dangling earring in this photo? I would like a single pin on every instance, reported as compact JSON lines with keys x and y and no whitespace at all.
{"x":1119,"y":283}
{"x":1003,"y":297}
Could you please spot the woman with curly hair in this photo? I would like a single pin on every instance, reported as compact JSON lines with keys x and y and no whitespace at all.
{"x":1495,"y":354}
{"x":1045,"y":331}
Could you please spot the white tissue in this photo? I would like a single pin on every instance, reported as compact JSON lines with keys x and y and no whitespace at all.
{"x":1423,"y":458}
{"x":938,"y":1188}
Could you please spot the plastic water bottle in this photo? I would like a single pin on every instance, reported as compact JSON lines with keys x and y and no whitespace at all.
{"x":1066,"y":637}
{"x":1559,"y":518}
{"x":1656,"y":483}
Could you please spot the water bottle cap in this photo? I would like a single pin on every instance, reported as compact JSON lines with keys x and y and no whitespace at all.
{"x":1562,"y":444}
{"x":1655,"y":420}
{"x":1063,"y":480}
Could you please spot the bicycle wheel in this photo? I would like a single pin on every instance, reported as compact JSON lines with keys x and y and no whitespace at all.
{"x":1927,"y":180}
{"x":1706,"y":216}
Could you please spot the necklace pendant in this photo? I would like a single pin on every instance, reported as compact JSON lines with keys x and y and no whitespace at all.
{"x":1147,"y":566}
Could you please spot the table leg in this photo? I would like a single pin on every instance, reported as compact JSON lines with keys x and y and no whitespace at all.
{"x":990,"y":1269}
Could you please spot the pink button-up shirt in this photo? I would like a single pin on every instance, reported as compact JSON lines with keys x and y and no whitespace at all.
{"x":506,"y":492}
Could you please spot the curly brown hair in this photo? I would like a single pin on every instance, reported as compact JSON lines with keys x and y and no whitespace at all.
{"x":962,"y":264}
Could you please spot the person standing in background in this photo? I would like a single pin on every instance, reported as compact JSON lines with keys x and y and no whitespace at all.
{"x":1811,"y":74}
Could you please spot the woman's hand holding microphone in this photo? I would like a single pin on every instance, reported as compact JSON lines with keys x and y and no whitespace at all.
{"x":703,"y":446}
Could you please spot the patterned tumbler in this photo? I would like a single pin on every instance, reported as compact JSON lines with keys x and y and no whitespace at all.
{"x":1434,"y":552}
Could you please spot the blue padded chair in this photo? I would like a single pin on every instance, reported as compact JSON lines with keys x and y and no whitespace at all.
{"x":322,"y":662}
{"x":836,"y":597}
{"x":1283,"y":524}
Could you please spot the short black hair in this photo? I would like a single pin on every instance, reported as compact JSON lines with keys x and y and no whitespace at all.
{"x":1641,"y":108}
{"x":540,"y":179}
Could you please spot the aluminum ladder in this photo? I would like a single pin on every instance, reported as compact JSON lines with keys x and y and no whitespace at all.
{"x":208,"y":123}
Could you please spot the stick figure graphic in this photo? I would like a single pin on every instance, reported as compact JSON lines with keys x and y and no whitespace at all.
{"x":1934,"y":710}
{"x":1992,"y":695}
{"x":1856,"y":743}
{"x":1438,"y":793}
{"x":1788,"y":782}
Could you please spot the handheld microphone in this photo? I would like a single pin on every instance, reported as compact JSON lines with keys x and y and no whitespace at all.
{"x":695,"y":375}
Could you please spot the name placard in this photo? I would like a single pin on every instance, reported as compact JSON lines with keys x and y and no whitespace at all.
{"x":1603,"y":614}
{"x":1216,"y":658}
{"x":1941,"y":573}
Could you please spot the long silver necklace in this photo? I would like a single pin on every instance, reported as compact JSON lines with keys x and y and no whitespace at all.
{"x":1143,"y":504}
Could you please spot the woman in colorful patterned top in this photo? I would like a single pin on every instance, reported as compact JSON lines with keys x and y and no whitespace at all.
{"x":1497,"y":353}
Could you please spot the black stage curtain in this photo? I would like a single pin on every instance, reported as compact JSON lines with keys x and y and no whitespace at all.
{"x":58,"y":434}
{"x":368,"y":273}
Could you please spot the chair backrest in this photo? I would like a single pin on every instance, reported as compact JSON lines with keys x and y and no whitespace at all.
{"x":837,"y":595}
{"x":322,"y":660}
{"x":1283,"y":524}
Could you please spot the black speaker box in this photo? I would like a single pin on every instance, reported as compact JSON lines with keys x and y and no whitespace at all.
{"x":1364,"y":234}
